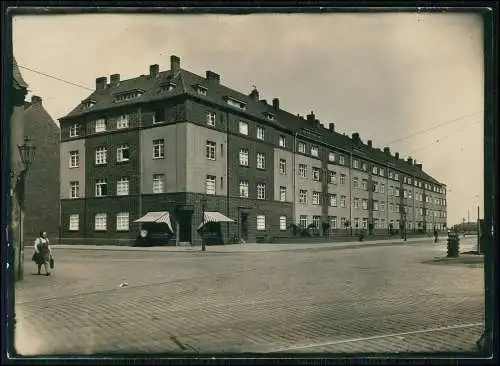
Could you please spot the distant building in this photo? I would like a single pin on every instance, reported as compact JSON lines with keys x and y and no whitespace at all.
{"x":165,"y":140}
{"x":42,"y":181}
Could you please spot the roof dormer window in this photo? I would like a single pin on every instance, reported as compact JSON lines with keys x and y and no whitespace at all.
{"x":88,"y":103}
{"x":236,"y":103}
{"x":269,"y":116}
{"x":129,"y":95}
{"x":167,"y":87}
{"x":201,"y":89}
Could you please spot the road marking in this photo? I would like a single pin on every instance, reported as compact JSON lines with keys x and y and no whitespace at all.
{"x":380,"y":337}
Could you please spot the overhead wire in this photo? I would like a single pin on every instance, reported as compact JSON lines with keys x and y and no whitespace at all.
{"x":56,"y":78}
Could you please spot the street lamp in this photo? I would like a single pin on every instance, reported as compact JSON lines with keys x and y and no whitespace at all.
{"x":203,"y":208}
{"x":27,"y":155}
{"x":404,"y":226}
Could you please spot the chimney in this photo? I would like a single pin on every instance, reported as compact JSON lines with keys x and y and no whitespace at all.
{"x":419,"y":166}
{"x":154,"y":70}
{"x":114,"y":79}
{"x":387,"y":151}
{"x":175,"y":64}
{"x":254,"y":94}
{"x":317,"y":123}
{"x":264,"y":101}
{"x":36,"y":99}
{"x":331,"y":127}
{"x":396,"y":155}
{"x":100,"y":83}
{"x":311,"y":117}
{"x":370,"y":144}
{"x":212,"y":77}
{"x":276,"y":103}
{"x":355,"y":137}
{"x":409,"y":161}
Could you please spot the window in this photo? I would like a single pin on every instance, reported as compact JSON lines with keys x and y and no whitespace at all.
{"x":303,"y":170}
{"x":261,"y":222}
{"x":122,"y":187}
{"x":342,"y":201}
{"x":122,"y":221}
{"x":158,"y":183}
{"x":282,"y":141}
{"x":365,"y":223}
{"x":74,"y":131}
{"x":74,"y":222}
{"x":282,"y":166}
{"x":382,"y":188}
{"x":261,"y":191}
{"x":364,"y":166}
{"x":243,"y":128}
{"x":331,"y":156}
{"x":396,"y":192}
{"x":260,"y":133}
{"x":282,"y":223}
{"x":365,"y":204}
{"x":342,"y":178}
{"x":316,"y":220}
{"x":100,"y":125}
{"x":375,"y":205}
{"x":391,"y":207}
{"x":316,"y":174}
{"x":243,"y":157}
{"x":375,"y":187}
{"x":122,"y":121}
{"x":269,"y":116}
{"x":355,"y":164}
{"x":100,"y":155}
{"x":390,"y":175}
{"x":100,"y":222}
{"x":382,"y":206}
{"x":244,"y":188}
{"x":74,"y":159}
{"x":159,"y":115}
{"x":211,"y":148}
{"x":211,"y":119}
{"x":200,"y":90}
{"x":342,"y":222}
{"x":303,"y":220}
{"x":261,"y":161}
{"x":129,"y":95}
{"x":74,"y":189}
{"x":355,"y":202}
{"x":333,"y":222}
{"x":409,"y":194}
{"x":397,"y":208}
{"x":365,"y":184}
{"x":314,"y":151}
{"x":396,"y":176}
{"x":375,"y":170}
{"x":381,"y":172}
{"x":158,"y":149}
{"x":356,"y":222}
{"x":332,"y":177}
{"x":341,"y":160}
{"x":282,"y":194}
{"x":301,"y":147}
{"x":122,"y":153}
{"x":236,"y":103}
{"x":405,"y":193}
{"x":333,"y":200}
{"x":355,"y":182}
{"x":210,"y":184}
{"x":316,"y":200}
{"x":101,"y":188}
{"x":303,"y":196}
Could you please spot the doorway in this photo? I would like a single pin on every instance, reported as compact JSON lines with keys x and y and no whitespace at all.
{"x":185,"y":227}
{"x":244,"y":226}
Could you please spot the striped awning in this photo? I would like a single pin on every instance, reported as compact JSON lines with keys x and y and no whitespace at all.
{"x":213,"y":216}
{"x":157,"y":216}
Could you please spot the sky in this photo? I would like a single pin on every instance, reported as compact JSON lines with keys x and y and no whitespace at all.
{"x":386,"y":75}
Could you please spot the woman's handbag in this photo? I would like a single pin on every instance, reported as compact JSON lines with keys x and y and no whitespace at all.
{"x":51,"y":262}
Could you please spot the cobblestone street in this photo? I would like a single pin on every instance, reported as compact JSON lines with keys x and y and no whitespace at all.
{"x":365,"y":299}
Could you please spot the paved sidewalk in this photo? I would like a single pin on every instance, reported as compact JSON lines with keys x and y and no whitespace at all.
{"x":254,"y":247}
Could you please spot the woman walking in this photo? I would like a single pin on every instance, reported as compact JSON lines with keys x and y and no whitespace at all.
{"x":43,"y":253}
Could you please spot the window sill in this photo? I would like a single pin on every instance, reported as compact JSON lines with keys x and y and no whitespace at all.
{"x":73,"y":230}
{"x":123,"y":161}
{"x":100,"y":164}
{"x":262,"y":169}
{"x":73,"y":167}
{"x":244,"y":166}
{"x":158,"y":157}
{"x":100,"y":230}
{"x":122,"y":230}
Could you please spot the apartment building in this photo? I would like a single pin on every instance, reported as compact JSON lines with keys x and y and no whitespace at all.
{"x":173,"y":141}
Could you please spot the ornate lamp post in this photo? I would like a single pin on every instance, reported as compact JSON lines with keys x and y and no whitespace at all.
{"x":203,"y":208}
{"x":26,"y":155}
